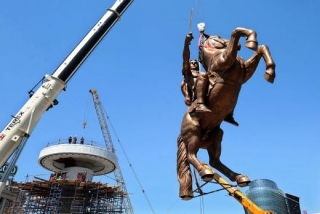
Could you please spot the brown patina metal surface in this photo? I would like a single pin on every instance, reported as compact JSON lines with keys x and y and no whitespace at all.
{"x":226,"y":72}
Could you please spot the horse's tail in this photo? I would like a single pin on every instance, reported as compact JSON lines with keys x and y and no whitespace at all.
{"x":183,"y":171}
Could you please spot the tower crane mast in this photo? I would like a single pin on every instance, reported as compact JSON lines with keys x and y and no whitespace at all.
{"x":109,"y":144}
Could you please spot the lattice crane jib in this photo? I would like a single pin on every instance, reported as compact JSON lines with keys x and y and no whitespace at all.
{"x":109,"y":144}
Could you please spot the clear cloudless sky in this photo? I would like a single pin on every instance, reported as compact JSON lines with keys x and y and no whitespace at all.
{"x":137,"y":71}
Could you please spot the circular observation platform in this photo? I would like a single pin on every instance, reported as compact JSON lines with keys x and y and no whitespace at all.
{"x":62,"y":157}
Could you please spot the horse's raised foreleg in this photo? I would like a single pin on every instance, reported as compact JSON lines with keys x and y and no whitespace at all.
{"x":252,"y":63}
{"x":230,"y":54}
{"x":251,"y":36}
{"x":270,"y":74}
{"x":214,"y":151}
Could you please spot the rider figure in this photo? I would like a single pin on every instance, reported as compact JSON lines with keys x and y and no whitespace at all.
{"x":193,"y":79}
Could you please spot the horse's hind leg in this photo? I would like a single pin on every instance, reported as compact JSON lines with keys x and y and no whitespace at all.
{"x":192,"y":138}
{"x":193,"y":148}
{"x":214,"y":151}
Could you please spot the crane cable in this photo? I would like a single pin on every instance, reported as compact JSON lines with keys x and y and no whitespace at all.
{"x":202,"y":22}
{"x":202,"y":11}
{"x":196,"y":178}
{"x":132,"y":169}
{"x":86,"y":112}
{"x":197,"y":16}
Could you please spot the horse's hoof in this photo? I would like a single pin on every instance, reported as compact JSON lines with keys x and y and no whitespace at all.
{"x":186,"y":197}
{"x":206,"y":174}
{"x":270,"y":74}
{"x":242,"y":180}
{"x":207,"y":177}
{"x":253,"y":45}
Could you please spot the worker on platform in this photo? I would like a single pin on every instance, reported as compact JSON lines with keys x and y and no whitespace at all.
{"x":70,"y":139}
{"x":74,"y":140}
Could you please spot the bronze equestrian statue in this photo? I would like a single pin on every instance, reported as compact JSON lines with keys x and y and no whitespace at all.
{"x":201,"y":129}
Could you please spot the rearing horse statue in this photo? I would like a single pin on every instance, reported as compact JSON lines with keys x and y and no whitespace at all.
{"x":227,"y":72}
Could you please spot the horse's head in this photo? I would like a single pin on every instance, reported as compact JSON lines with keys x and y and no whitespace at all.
{"x":212,"y":44}
{"x":217,"y":42}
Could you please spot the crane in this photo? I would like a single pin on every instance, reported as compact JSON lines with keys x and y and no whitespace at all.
{"x":15,"y":134}
{"x":240,"y":197}
{"x":108,"y":141}
{"x":236,"y":194}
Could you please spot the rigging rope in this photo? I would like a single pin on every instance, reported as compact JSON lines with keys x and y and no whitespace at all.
{"x":131,"y":167}
{"x":197,"y":177}
{"x":201,"y":193}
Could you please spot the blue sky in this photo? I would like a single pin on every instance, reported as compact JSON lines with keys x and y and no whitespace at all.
{"x":137,"y":72}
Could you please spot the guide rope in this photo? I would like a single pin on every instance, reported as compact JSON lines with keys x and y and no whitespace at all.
{"x":131,"y":167}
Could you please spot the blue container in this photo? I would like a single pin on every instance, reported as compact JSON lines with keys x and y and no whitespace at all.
{"x":267,"y":196}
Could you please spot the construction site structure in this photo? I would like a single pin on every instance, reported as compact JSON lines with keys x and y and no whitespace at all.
{"x":76,"y":159}
{"x":266,"y":194}
{"x":234,"y":192}
{"x":16,"y":133}
{"x":69,"y":188}
{"x":109,"y":144}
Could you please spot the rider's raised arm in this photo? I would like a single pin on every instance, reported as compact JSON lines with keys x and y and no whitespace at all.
{"x":186,"y":71}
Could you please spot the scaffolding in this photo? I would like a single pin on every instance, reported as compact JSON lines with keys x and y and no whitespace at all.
{"x":106,"y":201}
{"x":17,"y":205}
{"x":53,"y":204}
{"x":78,"y":202}
{"x":63,"y":196}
